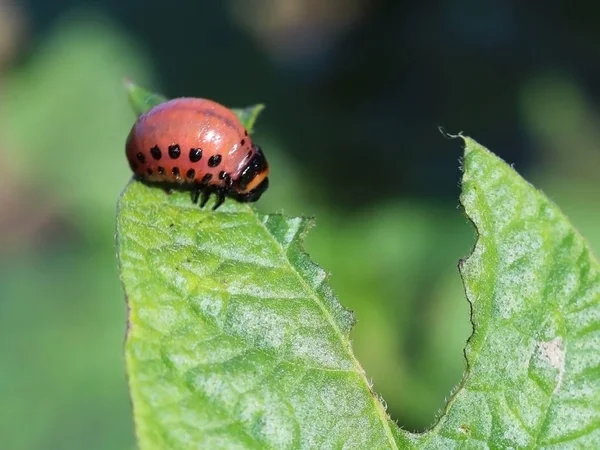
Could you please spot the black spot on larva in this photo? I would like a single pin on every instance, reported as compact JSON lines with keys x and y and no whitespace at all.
{"x":242,"y":142}
{"x":225,"y":177}
{"x":155,"y":151}
{"x":161,"y":170}
{"x":191,"y":174}
{"x":149,"y":171}
{"x":175,"y":171}
{"x":214,"y":160}
{"x":249,"y":154}
{"x":195,"y":154}
{"x":245,"y":132}
{"x":206,"y":178}
{"x":174,"y":151}
{"x":141,"y":158}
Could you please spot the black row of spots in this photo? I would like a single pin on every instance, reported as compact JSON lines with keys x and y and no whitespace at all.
{"x":214,"y":160}
{"x":190,"y":174}
{"x":175,"y":171}
{"x":174,"y":151}
{"x":195,"y":155}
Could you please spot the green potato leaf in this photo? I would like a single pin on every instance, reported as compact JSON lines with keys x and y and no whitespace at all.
{"x":533,"y":376}
{"x":140,"y":99}
{"x":249,"y":115}
{"x":235,"y":339}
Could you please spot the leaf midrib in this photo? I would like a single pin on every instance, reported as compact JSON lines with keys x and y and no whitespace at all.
{"x":357,"y":367}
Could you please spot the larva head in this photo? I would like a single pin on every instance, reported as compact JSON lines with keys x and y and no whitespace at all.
{"x":254,"y":177}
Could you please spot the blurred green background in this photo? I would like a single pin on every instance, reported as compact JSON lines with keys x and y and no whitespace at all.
{"x":355,"y":91}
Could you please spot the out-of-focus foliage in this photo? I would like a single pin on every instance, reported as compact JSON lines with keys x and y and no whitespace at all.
{"x":63,"y":122}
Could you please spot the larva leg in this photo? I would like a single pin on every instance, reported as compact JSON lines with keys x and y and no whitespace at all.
{"x":204,"y":198}
{"x":220,"y":194}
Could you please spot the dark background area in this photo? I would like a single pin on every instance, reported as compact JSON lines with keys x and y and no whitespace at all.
{"x":367,"y":90}
{"x":355,"y":93}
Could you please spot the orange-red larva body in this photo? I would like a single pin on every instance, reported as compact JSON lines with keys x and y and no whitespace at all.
{"x":197,"y":144}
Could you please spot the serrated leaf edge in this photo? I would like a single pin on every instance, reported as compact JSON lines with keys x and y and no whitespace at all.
{"x":472,"y":145}
{"x":298,"y":240}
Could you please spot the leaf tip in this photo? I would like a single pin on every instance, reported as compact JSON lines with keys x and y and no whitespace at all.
{"x":128,"y":83}
{"x":258,"y":108}
{"x":249,"y":115}
{"x":141,"y":99}
{"x":472,"y":146}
